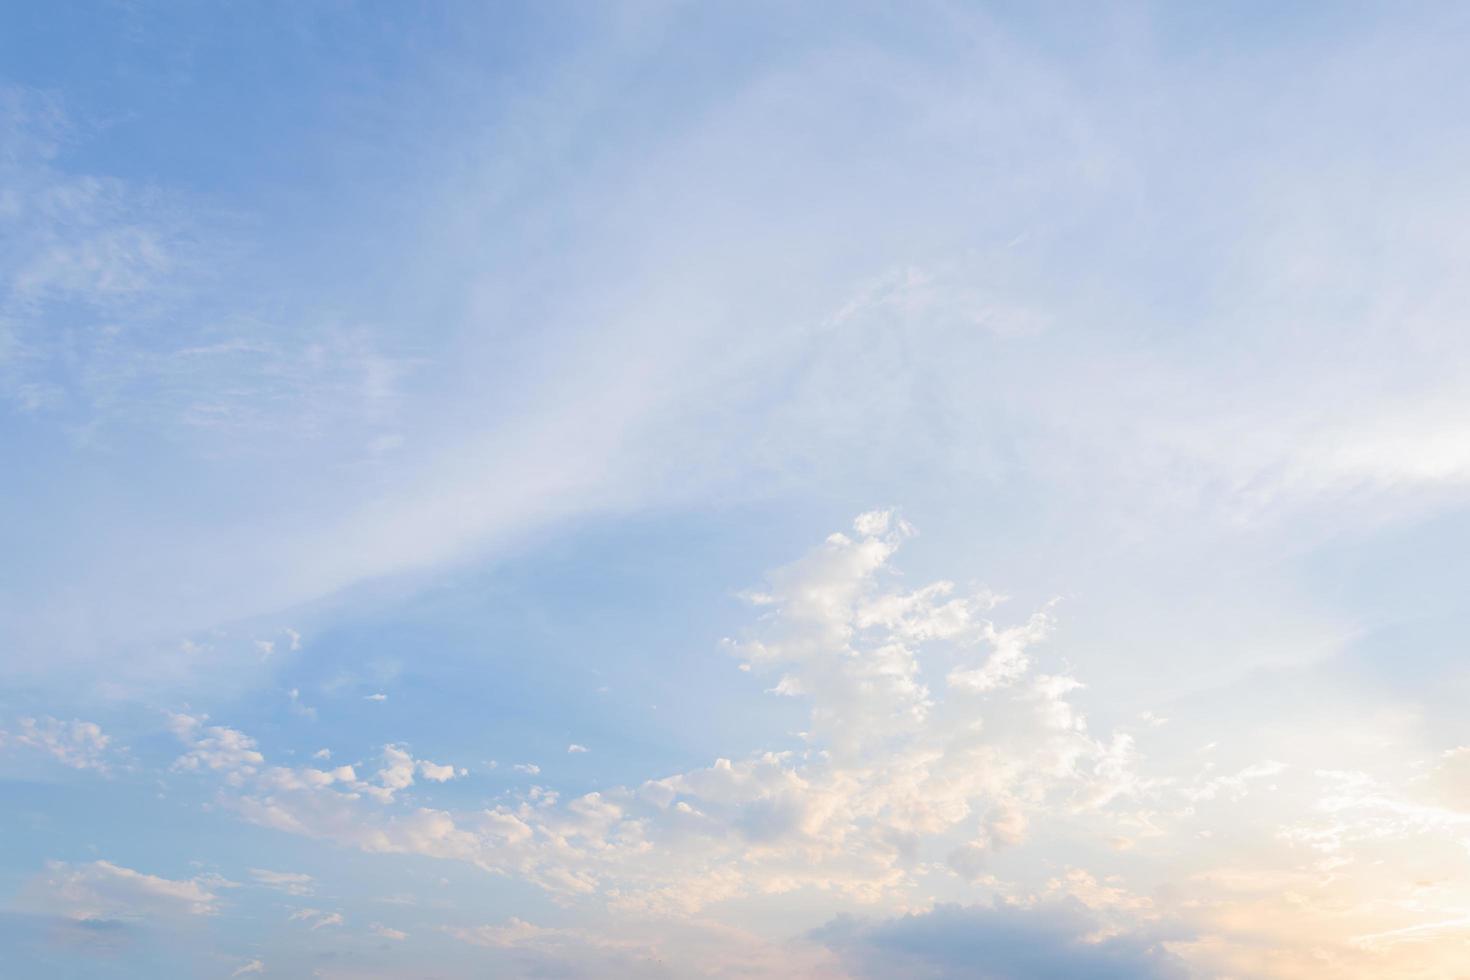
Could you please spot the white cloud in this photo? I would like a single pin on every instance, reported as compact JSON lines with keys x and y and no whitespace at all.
{"x":290,"y":882}
{"x":78,"y":744}
{"x":254,"y":966}
{"x":920,"y":802}
{"x":574,"y":749}
{"x":317,"y":918}
{"x":1234,"y":786}
{"x":397,"y":771}
{"x":1008,"y":662}
{"x":101,"y":890}
{"x":892,"y":779}
{"x":386,"y":932}
{"x":376,"y":697}
{"x":437,"y":773}
{"x":215,"y":747}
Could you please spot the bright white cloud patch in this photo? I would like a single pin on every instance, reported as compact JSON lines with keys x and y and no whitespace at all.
{"x":897,"y":777}
{"x":215,"y":747}
{"x":944,"y":746}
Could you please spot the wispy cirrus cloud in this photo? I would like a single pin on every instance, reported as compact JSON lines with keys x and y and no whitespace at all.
{"x":102,"y":890}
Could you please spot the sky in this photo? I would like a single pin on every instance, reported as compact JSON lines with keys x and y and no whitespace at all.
{"x":738,"y":490}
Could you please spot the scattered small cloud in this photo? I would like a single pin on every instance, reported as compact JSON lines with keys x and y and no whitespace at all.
{"x":575,"y":749}
{"x":386,"y":932}
{"x":376,"y":697}
{"x":290,"y":882}
{"x":317,"y":918}
{"x":529,"y":768}
{"x":437,"y":773}
{"x":254,"y":966}
{"x":215,"y":747}
{"x":78,"y":744}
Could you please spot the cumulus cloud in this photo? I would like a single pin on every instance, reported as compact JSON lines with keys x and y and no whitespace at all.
{"x":214,"y":748}
{"x":895,"y":779}
{"x":397,"y":771}
{"x":78,"y":744}
{"x":438,"y":773}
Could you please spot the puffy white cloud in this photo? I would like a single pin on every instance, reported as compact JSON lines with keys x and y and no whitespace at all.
{"x":892,"y":781}
{"x":902,"y":792}
{"x":397,"y":771}
{"x":215,"y":748}
{"x":76,"y":743}
{"x":437,"y":773}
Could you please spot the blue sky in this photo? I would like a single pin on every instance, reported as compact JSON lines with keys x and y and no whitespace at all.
{"x":673,"y":489}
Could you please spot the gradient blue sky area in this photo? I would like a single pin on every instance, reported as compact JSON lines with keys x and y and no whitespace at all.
{"x":669,"y":489}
